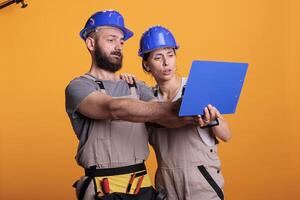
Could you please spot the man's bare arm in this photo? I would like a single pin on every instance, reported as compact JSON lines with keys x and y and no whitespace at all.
{"x":101,"y":106}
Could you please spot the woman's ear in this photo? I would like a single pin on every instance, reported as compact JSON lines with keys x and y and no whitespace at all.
{"x":146,"y":68}
{"x":90,"y":43}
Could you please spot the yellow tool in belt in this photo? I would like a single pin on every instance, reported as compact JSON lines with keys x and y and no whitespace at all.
{"x":124,"y":183}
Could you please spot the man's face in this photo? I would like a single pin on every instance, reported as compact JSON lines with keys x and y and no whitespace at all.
{"x":108,"y":48}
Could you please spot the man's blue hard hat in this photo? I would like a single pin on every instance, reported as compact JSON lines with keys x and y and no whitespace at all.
{"x":106,"y":18}
{"x":154,"y":38}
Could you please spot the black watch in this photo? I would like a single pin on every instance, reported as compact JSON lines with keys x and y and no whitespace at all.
{"x":212,"y":123}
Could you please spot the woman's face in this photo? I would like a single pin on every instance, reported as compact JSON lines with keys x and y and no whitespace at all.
{"x":161,"y":63}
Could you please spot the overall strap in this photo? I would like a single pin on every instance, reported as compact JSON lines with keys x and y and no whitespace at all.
{"x":211,"y":182}
{"x":132,"y":88}
{"x":183,"y":89}
{"x":155,"y":91}
{"x":99,"y":83}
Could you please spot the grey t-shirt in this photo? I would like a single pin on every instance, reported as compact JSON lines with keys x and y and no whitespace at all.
{"x":81,"y":87}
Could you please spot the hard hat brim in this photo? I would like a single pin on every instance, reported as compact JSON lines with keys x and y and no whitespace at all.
{"x":141,"y":54}
{"x":127,"y":33}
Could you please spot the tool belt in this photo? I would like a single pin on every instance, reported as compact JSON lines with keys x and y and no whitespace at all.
{"x":126,"y":180}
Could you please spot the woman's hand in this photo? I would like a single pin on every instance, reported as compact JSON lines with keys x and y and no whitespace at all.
{"x":129,"y":78}
{"x":211,"y":113}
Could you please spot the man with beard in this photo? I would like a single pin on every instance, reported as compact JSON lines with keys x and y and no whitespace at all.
{"x":108,"y":116}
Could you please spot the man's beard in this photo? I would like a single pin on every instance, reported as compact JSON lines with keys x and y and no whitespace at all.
{"x":104,"y":61}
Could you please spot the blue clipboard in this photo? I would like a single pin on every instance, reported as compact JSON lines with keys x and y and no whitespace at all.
{"x":212,"y":82}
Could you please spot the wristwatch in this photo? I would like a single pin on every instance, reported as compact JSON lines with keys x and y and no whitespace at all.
{"x":212,"y":123}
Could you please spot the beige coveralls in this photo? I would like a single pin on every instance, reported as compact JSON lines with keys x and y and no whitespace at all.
{"x":180,"y":153}
{"x":112,"y":143}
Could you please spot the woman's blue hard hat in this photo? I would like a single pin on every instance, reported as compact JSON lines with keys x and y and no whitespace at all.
{"x":154,"y":38}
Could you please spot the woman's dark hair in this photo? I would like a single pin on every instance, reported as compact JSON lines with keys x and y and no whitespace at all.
{"x":145,"y":58}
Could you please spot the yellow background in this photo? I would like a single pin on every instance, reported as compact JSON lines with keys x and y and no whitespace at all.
{"x":41,"y":52}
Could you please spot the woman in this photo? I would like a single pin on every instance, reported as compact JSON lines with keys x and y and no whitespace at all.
{"x":188,"y":164}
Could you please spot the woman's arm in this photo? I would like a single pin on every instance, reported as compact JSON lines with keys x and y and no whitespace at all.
{"x":222,"y":131}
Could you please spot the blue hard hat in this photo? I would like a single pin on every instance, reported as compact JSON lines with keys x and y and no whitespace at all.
{"x":106,"y":18}
{"x":154,"y":38}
